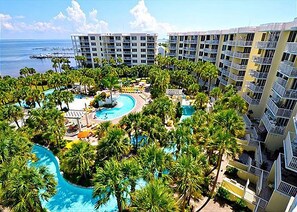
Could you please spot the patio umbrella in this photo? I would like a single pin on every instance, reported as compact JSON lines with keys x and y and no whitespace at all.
{"x":84,"y":134}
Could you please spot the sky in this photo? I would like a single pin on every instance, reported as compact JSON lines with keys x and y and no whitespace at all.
{"x":58,"y":19}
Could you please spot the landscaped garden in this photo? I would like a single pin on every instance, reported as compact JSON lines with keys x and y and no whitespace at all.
{"x":152,"y":160}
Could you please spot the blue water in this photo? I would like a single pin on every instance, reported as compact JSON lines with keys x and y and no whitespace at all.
{"x":125,"y":104}
{"x":15,"y":54}
{"x":188,"y":111}
{"x":68,"y":197}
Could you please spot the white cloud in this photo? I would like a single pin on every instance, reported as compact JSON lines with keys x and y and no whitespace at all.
{"x":144,"y":21}
{"x":19,"y":17}
{"x":60,"y":16}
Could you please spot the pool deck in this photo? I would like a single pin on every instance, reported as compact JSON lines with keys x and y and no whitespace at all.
{"x":140,"y":100}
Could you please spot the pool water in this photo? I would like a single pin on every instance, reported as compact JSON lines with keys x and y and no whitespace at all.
{"x":125,"y":104}
{"x":188,"y":111}
{"x":69,"y":197}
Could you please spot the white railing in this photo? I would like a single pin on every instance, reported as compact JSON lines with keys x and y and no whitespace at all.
{"x":290,"y":158}
{"x":172,"y":47}
{"x":250,"y":100}
{"x":171,"y":54}
{"x":238,"y":43}
{"x":261,"y":203}
{"x":210,"y":59}
{"x":277,"y":111}
{"x":262,"y":60}
{"x":209,"y":50}
{"x":228,"y":53}
{"x":249,"y":163}
{"x":225,"y":72}
{"x":291,"y":47}
{"x":238,"y":66}
{"x":213,"y":42}
{"x":259,"y":183}
{"x":226,"y":62}
{"x":190,"y":49}
{"x":190,"y":55}
{"x":281,"y":90}
{"x":287,"y":68}
{"x":172,"y":40}
{"x":255,"y":88}
{"x":258,"y":75}
{"x":247,"y":121}
{"x":266,"y":44}
{"x":236,"y":77}
{"x":271,"y":127}
{"x":241,"y":55}
{"x":222,"y":81}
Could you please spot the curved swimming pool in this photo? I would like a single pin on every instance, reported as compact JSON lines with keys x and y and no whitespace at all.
{"x":126,"y":103}
{"x":69,"y":197}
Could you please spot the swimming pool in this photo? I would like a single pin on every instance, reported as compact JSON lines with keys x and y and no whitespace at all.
{"x":69,"y":197}
{"x":188,"y":111}
{"x":125,"y":104}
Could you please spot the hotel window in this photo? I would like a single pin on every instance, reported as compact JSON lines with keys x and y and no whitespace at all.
{"x":134,"y":55}
{"x":119,"y":55}
{"x":142,"y":44}
{"x":118,"y":44}
{"x":93,"y":44}
{"x":118,"y":38}
{"x":92,"y":37}
{"x":143,"y":56}
{"x":134,"y":50}
{"x":94,"y":54}
{"x":180,"y":51}
{"x":181,"y":38}
{"x":143,"y":50}
{"x":134,"y":44}
{"x":133,"y":38}
{"x":292,"y":36}
{"x":94,"y":49}
{"x":118,"y":50}
{"x":143,"y":61}
{"x":142,"y":37}
{"x":134,"y":61}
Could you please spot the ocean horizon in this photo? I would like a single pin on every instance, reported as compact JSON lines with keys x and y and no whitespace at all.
{"x":15,"y":54}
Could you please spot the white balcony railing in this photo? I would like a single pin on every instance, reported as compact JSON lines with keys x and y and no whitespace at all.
{"x":238,"y":66}
{"x":192,"y":56}
{"x":225,"y":72}
{"x":270,"y":126}
{"x":210,"y":59}
{"x":255,"y":88}
{"x":228,"y":53}
{"x":278,"y":111}
{"x":258,"y":75}
{"x":283,"y":92}
{"x":212,"y":42}
{"x":287,"y":68}
{"x":266,"y":44}
{"x":172,"y":54}
{"x":226,"y":62}
{"x":281,"y":185}
{"x":238,"y":43}
{"x":223,"y":81}
{"x":262,"y":60}
{"x":236,"y":77}
{"x":241,"y":55}
{"x":290,"y":143}
{"x":209,"y":50}
{"x":291,"y":47}
{"x":190,"y":49}
{"x":172,"y":47}
{"x":190,"y":41}
{"x":250,"y":100}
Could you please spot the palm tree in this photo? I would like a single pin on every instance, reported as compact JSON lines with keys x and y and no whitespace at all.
{"x":13,"y":113}
{"x":97,"y":61}
{"x":79,"y":159}
{"x":23,"y":187}
{"x":102,"y":129}
{"x":154,"y":160}
{"x":67,"y":97}
{"x":155,"y":196}
{"x":193,"y":89}
{"x":132,"y":171}
{"x":55,"y":63}
{"x":187,"y":173}
{"x":81,"y":60}
{"x":109,"y":181}
{"x":37,"y":96}
{"x":114,"y":144}
{"x":24,"y":72}
{"x":110,"y":82}
{"x":216,"y":93}
{"x":201,"y":101}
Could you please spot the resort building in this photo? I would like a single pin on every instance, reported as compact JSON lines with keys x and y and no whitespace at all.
{"x":132,"y":48}
{"x":260,"y":62}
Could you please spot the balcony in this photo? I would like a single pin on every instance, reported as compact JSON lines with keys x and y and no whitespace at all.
{"x":283,"y":92}
{"x":255,"y":88}
{"x":190,"y":49}
{"x":190,"y":41}
{"x":236,"y":77}
{"x":270,"y":126}
{"x":239,"y":43}
{"x":110,"y":47}
{"x":228,"y":53}
{"x":172,"y":47}
{"x":258,"y":75}
{"x":291,"y":47}
{"x":225,"y":72}
{"x":241,"y":55}
{"x":262,"y":60}
{"x":150,"y":46}
{"x":238,"y":66}
{"x":285,"y":180}
{"x":226,"y":62}
{"x":209,"y":50}
{"x":126,"y":41}
{"x":171,"y":54}
{"x":172,"y":40}
{"x":287,"y":68}
{"x":290,"y":151}
{"x":223,"y":81}
{"x":126,"y":46}
{"x":212,"y":42}
{"x":266,"y":44}
{"x":191,"y":56}
{"x":150,"y":53}
{"x":250,"y":100}
{"x":209,"y":59}
{"x":151,"y":41}
{"x":278,"y":111}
